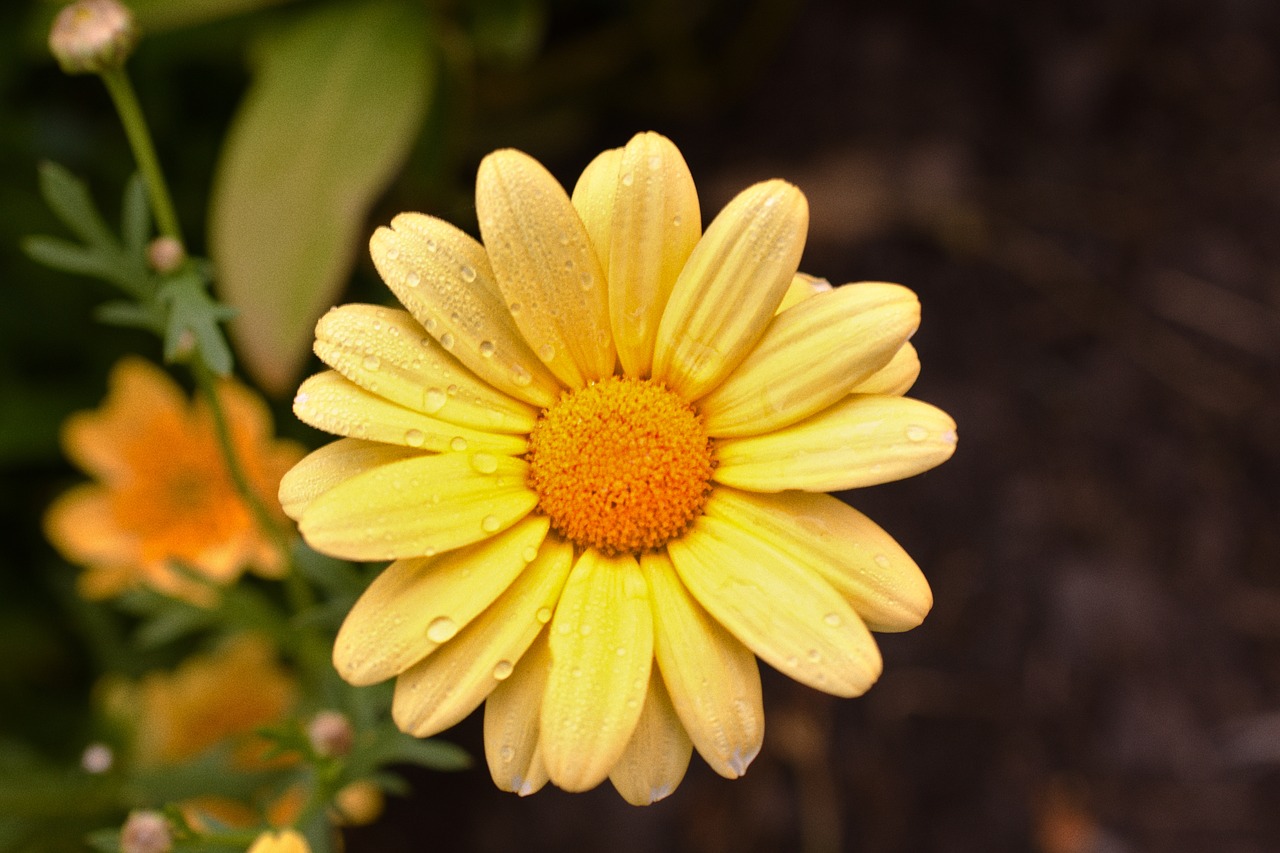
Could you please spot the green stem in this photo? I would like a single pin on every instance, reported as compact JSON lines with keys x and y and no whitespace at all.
{"x":135,"y":127}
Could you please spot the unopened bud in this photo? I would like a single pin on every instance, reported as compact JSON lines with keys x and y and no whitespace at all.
{"x":165,"y":255}
{"x":358,"y":803}
{"x":146,"y":832}
{"x":92,"y":36}
{"x":97,"y":758}
{"x":330,"y":734}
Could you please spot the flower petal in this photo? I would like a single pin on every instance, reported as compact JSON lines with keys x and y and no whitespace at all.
{"x":546,"y":266}
{"x":730,"y":287}
{"x":801,"y":288}
{"x":896,"y":377}
{"x":810,"y":356}
{"x":657,"y":755}
{"x":416,"y":605}
{"x":656,"y":223}
{"x":385,"y":351}
{"x":712,"y":679}
{"x":451,"y":682}
{"x":322,"y":469}
{"x":443,"y":277}
{"x":593,"y":199}
{"x":422,"y":505}
{"x":783,"y":612}
{"x":859,"y":442}
{"x":512,"y":717}
{"x":847,"y":549}
{"x":601,"y":653}
{"x":330,"y":402}
{"x":81,"y":525}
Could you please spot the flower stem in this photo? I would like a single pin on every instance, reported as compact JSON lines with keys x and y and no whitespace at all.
{"x":135,"y":127}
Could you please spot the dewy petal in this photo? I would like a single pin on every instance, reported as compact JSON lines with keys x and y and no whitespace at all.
{"x":443,"y":277}
{"x":861,"y":441}
{"x":451,"y":682}
{"x":546,"y":266}
{"x":784,"y":612}
{"x":333,"y":403}
{"x":810,"y":356}
{"x":512,"y":717}
{"x":656,"y":223}
{"x":601,"y":652}
{"x":730,"y":287}
{"x":422,"y":505}
{"x":330,"y":465}
{"x":385,"y":351}
{"x":801,"y":288}
{"x":593,"y":199}
{"x":713,"y":679}
{"x":416,"y":605}
{"x":896,"y":377}
{"x":657,"y":755}
{"x":848,"y":550}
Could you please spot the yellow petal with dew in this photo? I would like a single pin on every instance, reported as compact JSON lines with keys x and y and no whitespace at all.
{"x":785,"y":613}
{"x":322,"y":469}
{"x":713,"y":680}
{"x":861,"y":441}
{"x":656,"y":223}
{"x":657,"y":755}
{"x":546,"y":266}
{"x":847,"y":549}
{"x":512,"y":717}
{"x":801,"y":288}
{"x":443,"y":688}
{"x":443,"y":277}
{"x":386,"y":351}
{"x":896,"y":377}
{"x":417,"y":604}
{"x":333,"y":403}
{"x":810,"y":356}
{"x":601,"y":652}
{"x":593,"y":199}
{"x":730,"y":287}
{"x":419,"y":506}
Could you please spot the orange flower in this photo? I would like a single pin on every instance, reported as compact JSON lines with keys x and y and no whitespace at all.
{"x":163,"y":492}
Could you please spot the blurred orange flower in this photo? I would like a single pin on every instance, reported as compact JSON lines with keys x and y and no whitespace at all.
{"x":162,"y":490}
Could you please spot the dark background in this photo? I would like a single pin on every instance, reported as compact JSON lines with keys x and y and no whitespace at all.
{"x":1086,"y":196}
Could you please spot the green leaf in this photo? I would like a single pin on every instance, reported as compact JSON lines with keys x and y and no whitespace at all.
{"x":177,"y":620}
{"x":135,"y":218}
{"x":63,"y":255}
{"x":396,"y":747}
{"x":333,"y":109}
{"x":131,"y":315}
{"x":193,"y":319}
{"x":68,"y":197}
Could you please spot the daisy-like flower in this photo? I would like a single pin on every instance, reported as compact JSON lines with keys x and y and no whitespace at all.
{"x":597,"y":459}
{"x":163,"y":492}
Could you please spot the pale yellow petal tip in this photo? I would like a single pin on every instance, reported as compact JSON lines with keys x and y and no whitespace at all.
{"x":284,"y":841}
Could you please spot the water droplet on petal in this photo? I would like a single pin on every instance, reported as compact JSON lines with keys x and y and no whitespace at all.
{"x":544,"y":615}
{"x":415,"y":438}
{"x":568,"y":264}
{"x":514,"y":308}
{"x":521,"y":377}
{"x":815,"y":655}
{"x":393,"y":253}
{"x":676,"y":221}
{"x":529,"y":554}
{"x":584,"y":630}
{"x":446,"y":341}
{"x":457,"y":444}
{"x":507,"y":753}
{"x":490,"y":524}
{"x":487,"y":349}
{"x":372,"y":362}
{"x":468,"y":273}
{"x":628,"y":179}
{"x":502,"y":670}
{"x":413,"y":279}
{"x":431,"y":325}
{"x":882,"y":561}
{"x":485,"y":463}
{"x":832,"y":619}
{"x":915,"y":432}
{"x":434,"y":400}
{"x":546,"y":352}
{"x":431,"y":245}
{"x":442,"y":628}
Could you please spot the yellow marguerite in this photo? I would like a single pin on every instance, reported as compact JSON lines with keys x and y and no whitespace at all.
{"x":162,"y":490}
{"x":596,"y":457}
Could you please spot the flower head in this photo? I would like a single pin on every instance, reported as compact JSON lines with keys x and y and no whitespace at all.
{"x":595,"y":450}
{"x":163,"y":492}
{"x":92,"y":36}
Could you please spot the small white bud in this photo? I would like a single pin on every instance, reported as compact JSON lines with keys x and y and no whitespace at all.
{"x":92,"y":36}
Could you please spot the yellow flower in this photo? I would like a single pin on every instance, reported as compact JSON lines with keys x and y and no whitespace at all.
{"x":163,"y":492}
{"x":285,"y":841}
{"x":589,"y":446}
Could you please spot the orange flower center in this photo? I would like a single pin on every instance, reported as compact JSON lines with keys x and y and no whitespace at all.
{"x":621,"y":466}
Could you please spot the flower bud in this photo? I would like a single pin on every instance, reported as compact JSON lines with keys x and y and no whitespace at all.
{"x":330,"y":734}
{"x":357,"y":804}
{"x":165,"y":254}
{"x":97,"y":758}
{"x":92,"y":36}
{"x":146,"y":832}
